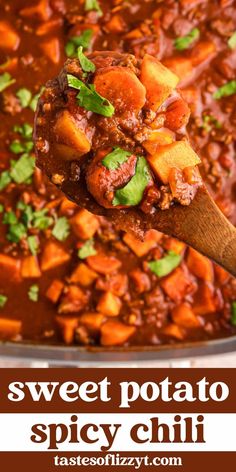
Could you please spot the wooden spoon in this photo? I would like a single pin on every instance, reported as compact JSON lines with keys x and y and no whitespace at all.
{"x":201,"y":225}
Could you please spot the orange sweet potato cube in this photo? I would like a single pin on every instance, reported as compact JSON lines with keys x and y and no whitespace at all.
{"x":73,"y":300}
{"x":156,"y":139}
{"x":181,"y":66}
{"x":53,"y":255}
{"x":109,"y":304}
{"x":174,"y":331}
{"x":202,"y":51}
{"x":9,"y":39}
{"x":176,"y":155}
{"x":184,"y":316}
{"x":205,"y":303}
{"x":83,"y":275}
{"x":176,"y":284}
{"x":30,"y":267}
{"x":9,"y":328}
{"x":158,"y":81}
{"x":92,"y":321}
{"x":10,"y":268}
{"x":54,"y":290}
{"x":67,"y":326}
{"x":200,"y":266}
{"x":141,"y":248}
{"x":84,"y":224}
{"x":68,"y":133}
{"x":51,"y":49}
{"x":115,"y":333}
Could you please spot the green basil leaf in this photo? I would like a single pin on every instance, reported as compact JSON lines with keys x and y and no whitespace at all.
{"x":232,"y":41}
{"x":61,"y":229}
{"x":116,"y":158}
{"x":3,"y":300}
{"x":185,"y":41}
{"x":33,"y":293}
{"x":33,"y":244}
{"x":93,"y":5}
{"x":132,"y":193}
{"x":226,"y":90}
{"x":87,"y":249}
{"x":166,"y":265}
{"x":233,"y":313}
{"x":5,"y":81}
{"x":85,"y":63}
{"x":24,"y":96}
{"x":89,"y":99}
{"x":23,"y":169}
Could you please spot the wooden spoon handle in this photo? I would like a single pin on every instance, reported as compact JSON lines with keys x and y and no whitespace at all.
{"x":205,"y":228}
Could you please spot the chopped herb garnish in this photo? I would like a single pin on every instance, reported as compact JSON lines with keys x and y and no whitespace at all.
{"x":33,"y":244}
{"x":232,"y":41}
{"x":34,"y":101}
{"x":116,"y":158}
{"x":87,"y":249}
{"x":24,"y":96}
{"x":23,"y":169}
{"x":27,"y":213}
{"x":83,"y":40}
{"x":33,"y":293}
{"x":226,"y":90}
{"x":25,"y":130}
{"x":16,"y":230}
{"x":5,"y":179}
{"x":86,"y":64}
{"x":1,"y":208}
{"x":93,"y":5}
{"x":132,"y":193}
{"x":61,"y":229}
{"x":166,"y":265}
{"x":3,"y":300}
{"x":208,"y":122}
{"x":17,"y":147}
{"x":185,"y":41}
{"x":41,"y":221}
{"x":233,"y":313}
{"x":89,"y":99}
{"x":5,"y":81}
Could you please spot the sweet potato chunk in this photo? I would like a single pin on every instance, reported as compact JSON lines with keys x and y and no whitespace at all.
{"x":42,"y":11}
{"x":51,"y":49}
{"x":205,"y":303}
{"x":200,"y":266}
{"x":202,"y":51}
{"x":176,"y":285}
{"x":103,"y":264}
{"x":48,"y":26}
{"x":221,"y":275}
{"x":10,"y":268}
{"x":9,"y":39}
{"x":181,"y":66}
{"x":67,"y":326}
{"x":93,"y":321}
{"x":141,"y":248}
{"x":177,"y":115}
{"x":158,"y":81}
{"x":53,"y":255}
{"x":30,"y":267}
{"x":54,"y":290}
{"x":67,"y":207}
{"x":83,"y":275}
{"x":156,"y":139}
{"x":174,"y":331}
{"x":121,"y":87}
{"x":9,"y":328}
{"x":184,"y":316}
{"x":178,"y":155}
{"x":141,"y":280}
{"x":68,"y":133}
{"x":84,"y":224}
{"x":73,"y":300}
{"x":114,"y":333}
{"x":109,"y":304}
{"x":174,"y":245}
